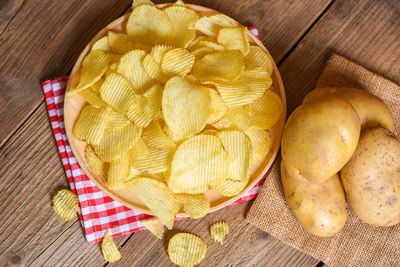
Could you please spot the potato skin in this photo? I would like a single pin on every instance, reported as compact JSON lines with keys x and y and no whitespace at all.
{"x":371,"y":178}
{"x":320,"y":208}
{"x":370,"y":108}
{"x":319,"y":138}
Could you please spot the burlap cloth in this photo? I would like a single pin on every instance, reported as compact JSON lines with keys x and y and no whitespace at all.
{"x":358,"y":244}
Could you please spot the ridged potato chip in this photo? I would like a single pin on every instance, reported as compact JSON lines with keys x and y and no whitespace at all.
{"x":148,"y":24}
{"x":176,"y":138}
{"x":116,"y":121}
{"x":260,"y":141}
{"x":211,"y":25}
{"x":151,"y":67}
{"x":118,"y":92}
{"x":222,"y":65}
{"x":258,"y":58}
{"x":240,"y":154}
{"x":118,"y":142}
{"x":247,"y":88}
{"x":185,"y":106}
{"x":101,"y":44}
{"x":186,"y":250}
{"x":91,"y":124}
{"x":218,"y":109}
{"x":198,"y":53}
{"x":92,"y":97}
{"x":155,"y":227}
{"x":199,"y":163}
{"x":118,"y":172}
{"x":236,"y":118}
{"x":96,"y":164}
{"x":205,"y":41}
{"x":109,"y":249}
{"x":266,"y":111}
{"x":158,"y":51}
{"x":130,"y":65}
{"x":218,"y":231}
{"x":139,"y":151}
{"x":234,"y":38}
{"x":179,"y":3}
{"x":120,"y":43}
{"x":157,"y":197}
{"x":137,"y":3}
{"x":65,"y":204}
{"x":230,"y":188}
{"x":177,"y":61}
{"x":196,"y":206}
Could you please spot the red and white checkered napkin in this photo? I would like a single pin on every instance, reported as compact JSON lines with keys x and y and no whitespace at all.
{"x":98,"y":212}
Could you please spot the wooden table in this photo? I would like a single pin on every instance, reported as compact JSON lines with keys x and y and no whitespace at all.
{"x":41,"y":39}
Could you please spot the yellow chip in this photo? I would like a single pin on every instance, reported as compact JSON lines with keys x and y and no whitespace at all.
{"x":65,"y":204}
{"x":230,"y":188}
{"x":101,"y":44}
{"x":196,"y":206}
{"x":183,"y":20}
{"x":96,"y":164}
{"x":120,"y":43}
{"x":201,"y":52}
{"x":92,"y":97}
{"x":118,"y":142}
{"x":109,"y":249}
{"x":151,"y":67}
{"x":249,"y":86}
{"x":223,"y":65}
{"x":218,"y":109}
{"x":179,"y":3}
{"x":218,"y":231}
{"x":237,"y":118}
{"x":176,"y":138}
{"x":139,"y":151}
{"x":118,"y":92}
{"x":240,"y":154}
{"x":177,"y":61}
{"x":234,"y":38}
{"x":157,"y":197}
{"x":96,"y":86}
{"x":155,"y":227}
{"x":158,"y":51}
{"x":134,"y":173}
{"x":137,"y":3}
{"x":91,"y":124}
{"x":258,"y":58}
{"x":94,"y":66}
{"x":210,"y":132}
{"x":118,"y":172}
{"x":198,"y":164}
{"x":148,"y":24}
{"x":186,"y":250}
{"x":211,"y":25}
{"x":260,"y":141}
{"x":116,"y":121}
{"x":130,"y":65}
{"x":266,"y":111}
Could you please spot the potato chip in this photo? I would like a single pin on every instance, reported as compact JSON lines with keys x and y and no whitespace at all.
{"x":118,"y":142}
{"x":139,"y":150}
{"x":236,"y":118}
{"x":94,"y":65}
{"x":116,"y":121}
{"x":120,"y":43}
{"x":155,"y":227}
{"x":96,"y":86}
{"x":223,"y":65}
{"x":174,"y":137}
{"x":148,"y":24}
{"x":266,"y":111}
{"x":194,"y":44}
{"x":157,"y":197}
{"x":201,"y":52}
{"x":118,"y":92}
{"x":90,"y":124}
{"x":118,"y":172}
{"x":218,"y":231}
{"x":151,"y":67}
{"x":101,"y":44}
{"x":258,"y":58}
{"x":198,"y":164}
{"x":134,"y":173}
{"x":218,"y":109}
{"x":179,"y":3}
{"x":92,"y":97}
{"x":137,"y":3}
{"x":177,"y":61}
{"x":196,"y":206}
{"x":249,"y":86}
{"x":210,"y":132}
{"x":96,"y":164}
{"x":230,"y":188}
{"x":185,"y":106}
{"x":260,"y":141}
{"x":109,"y":249}
{"x":158,"y":51}
{"x":234,"y":38}
{"x":186,"y":250}
{"x":211,"y":25}
{"x":65,"y":204}
{"x":240,"y":154}
{"x":183,"y":20}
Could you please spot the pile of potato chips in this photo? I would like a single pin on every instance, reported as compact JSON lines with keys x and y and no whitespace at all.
{"x":176,"y":105}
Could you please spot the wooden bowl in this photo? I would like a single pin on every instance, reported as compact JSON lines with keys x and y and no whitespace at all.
{"x":73,"y":106}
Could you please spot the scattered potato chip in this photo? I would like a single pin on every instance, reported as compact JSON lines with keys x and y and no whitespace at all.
{"x":218,"y":109}
{"x":101,"y":44}
{"x":196,"y":206}
{"x":109,"y":249}
{"x":176,"y":138}
{"x":222,"y":65}
{"x":260,"y":141}
{"x":177,"y":61}
{"x":118,"y":92}
{"x":230,"y":188}
{"x":96,"y":86}
{"x":185,"y":106}
{"x":92,"y":97}
{"x":198,"y":164}
{"x":151,"y":67}
{"x":91,"y":124}
{"x":120,"y":43}
{"x":65,"y":204}
{"x":158,"y":52}
{"x":201,"y":52}
{"x":179,"y":3}
{"x":157,"y":197}
{"x":236,"y":118}
{"x":218,"y":231}
{"x":131,"y":67}
{"x":148,"y":24}
{"x":116,"y":121}
{"x":234,"y":38}
{"x":118,"y":172}
{"x":266,"y":111}
{"x":137,"y":3}
{"x":186,"y":250}
{"x":155,"y":227}
{"x":211,"y":25}
{"x":139,"y":150}
{"x":258,"y":58}
{"x":210,"y":132}
{"x":96,"y":164}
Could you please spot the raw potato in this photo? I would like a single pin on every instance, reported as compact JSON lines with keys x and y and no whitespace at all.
{"x":319,"y":138}
{"x":371,"y":110}
{"x":371,"y":178}
{"x":320,"y":208}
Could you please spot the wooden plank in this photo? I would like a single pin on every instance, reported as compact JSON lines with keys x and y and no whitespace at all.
{"x":8,"y":9}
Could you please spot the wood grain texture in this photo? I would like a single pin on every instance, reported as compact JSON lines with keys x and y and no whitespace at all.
{"x":8,"y":9}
